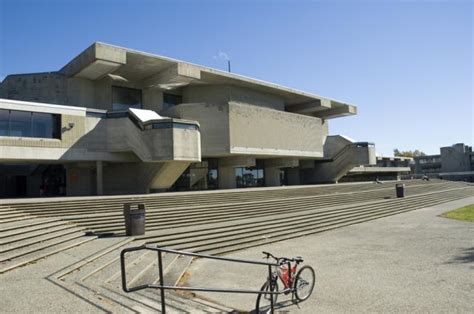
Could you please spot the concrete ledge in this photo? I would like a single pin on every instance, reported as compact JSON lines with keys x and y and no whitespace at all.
{"x":96,"y":61}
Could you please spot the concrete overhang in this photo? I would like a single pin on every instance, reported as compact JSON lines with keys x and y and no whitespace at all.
{"x":177,"y":75}
{"x":165,"y":73}
{"x":95,"y":62}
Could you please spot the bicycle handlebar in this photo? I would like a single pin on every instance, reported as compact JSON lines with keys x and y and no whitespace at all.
{"x":283,"y":259}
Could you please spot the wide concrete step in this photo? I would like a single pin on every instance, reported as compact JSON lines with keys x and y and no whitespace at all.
{"x":225,"y":212}
{"x":41,"y":251}
{"x":34,"y":221}
{"x":100,"y":276}
{"x":26,"y":232}
{"x":105,"y":211}
{"x":47,"y":235}
{"x":116,"y":204}
{"x":35,"y":247}
{"x":193,"y":239}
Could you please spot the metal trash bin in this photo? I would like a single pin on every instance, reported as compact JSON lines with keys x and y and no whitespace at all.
{"x":400,"y":188}
{"x":134,"y":215}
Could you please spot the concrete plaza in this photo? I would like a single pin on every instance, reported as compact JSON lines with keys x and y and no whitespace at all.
{"x":412,"y":262}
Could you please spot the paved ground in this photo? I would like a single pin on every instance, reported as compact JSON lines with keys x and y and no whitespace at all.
{"x":412,"y":262}
{"x":28,"y":289}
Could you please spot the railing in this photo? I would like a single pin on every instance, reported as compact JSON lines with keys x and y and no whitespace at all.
{"x":343,"y":150}
{"x":164,"y":287}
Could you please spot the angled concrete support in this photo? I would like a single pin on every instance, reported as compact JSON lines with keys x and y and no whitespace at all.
{"x":165,"y":174}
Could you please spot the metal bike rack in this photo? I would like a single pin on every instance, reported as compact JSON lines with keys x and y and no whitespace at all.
{"x":162,"y":287}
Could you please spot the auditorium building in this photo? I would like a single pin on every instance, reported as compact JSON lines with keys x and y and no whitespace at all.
{"x":119,"y":121}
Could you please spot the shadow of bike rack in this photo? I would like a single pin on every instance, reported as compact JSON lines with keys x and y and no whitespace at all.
{"x":163,"y":287}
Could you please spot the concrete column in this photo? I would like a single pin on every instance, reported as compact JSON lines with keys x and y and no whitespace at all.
{"x":227,"y":165}
{"x":226,"y":177}
{"x":99,"y":177}
{"x":272,"y":177}
{"x":273,"y":166}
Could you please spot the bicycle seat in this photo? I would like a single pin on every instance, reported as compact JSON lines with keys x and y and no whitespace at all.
{"x":298,"y":259}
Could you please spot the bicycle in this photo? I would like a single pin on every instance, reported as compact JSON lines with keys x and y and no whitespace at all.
{"x":300,"y":284}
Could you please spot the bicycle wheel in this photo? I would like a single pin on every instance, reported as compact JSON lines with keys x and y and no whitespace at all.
{"x":304,"y":283}
{"x":264,"y":299}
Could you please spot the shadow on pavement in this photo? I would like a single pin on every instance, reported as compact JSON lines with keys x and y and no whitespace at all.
{"x":281,"y":307}
{"x":466,"y":256}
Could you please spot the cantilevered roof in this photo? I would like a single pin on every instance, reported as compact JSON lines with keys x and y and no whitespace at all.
{"x":155,"y":71}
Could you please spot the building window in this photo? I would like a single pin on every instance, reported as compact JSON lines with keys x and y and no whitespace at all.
{"x":170,"y":100}
{"x":124,"y":98}
{"x":247,"y":177}
{"x":198,"y":176}
{"x":29,"y":124}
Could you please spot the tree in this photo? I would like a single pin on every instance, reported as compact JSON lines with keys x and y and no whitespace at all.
{"x":408,"y":153}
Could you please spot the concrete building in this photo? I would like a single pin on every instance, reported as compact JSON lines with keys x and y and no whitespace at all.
{"x":116,"y":120}
{"x":386,"y":168}
{"x":454,"y":162}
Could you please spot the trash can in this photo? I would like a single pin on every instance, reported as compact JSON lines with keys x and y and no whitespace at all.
{"x":400,"y":188}
{"x":134,"y":215}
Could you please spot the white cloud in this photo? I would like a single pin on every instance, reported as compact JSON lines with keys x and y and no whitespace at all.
{"x":221,"y":56}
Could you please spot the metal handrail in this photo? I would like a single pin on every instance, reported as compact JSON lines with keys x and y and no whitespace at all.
{"x":162,"y":287}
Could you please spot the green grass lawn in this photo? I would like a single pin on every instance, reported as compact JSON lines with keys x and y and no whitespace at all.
{"x":465,"y":213}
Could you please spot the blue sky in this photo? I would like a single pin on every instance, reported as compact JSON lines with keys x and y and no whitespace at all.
{"x":407,"y":65}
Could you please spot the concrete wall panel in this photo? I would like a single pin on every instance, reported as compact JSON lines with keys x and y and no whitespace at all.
{"x":262,"y":131}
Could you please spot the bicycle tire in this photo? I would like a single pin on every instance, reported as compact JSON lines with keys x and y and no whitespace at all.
{"x":301,"y":279}
{"x":262,"y":308}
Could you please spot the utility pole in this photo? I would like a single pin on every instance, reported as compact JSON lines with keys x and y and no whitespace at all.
{"x":228,"y":65}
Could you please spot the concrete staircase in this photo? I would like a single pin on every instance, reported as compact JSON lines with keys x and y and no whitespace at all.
{"x":32,"y":238}
{"x":98,"y":280}
{"x":211,"y":222}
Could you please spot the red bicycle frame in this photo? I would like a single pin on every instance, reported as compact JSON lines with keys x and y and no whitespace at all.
{"x":285,"y":275}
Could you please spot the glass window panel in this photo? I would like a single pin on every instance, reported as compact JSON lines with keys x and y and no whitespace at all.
{"x":170,"y":100}
{"x":42,"y":125}
{"x":56,"y":126}
{"x":4,"y":117}
{"x":124,"y":98}
{"x":20,"y":123}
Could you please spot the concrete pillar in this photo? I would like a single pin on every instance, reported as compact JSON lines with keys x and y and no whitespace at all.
{"x":226,"y":177}
{"x":273,"y":167}
{"x":99,"y":177}
{"x":226,"y":166}
{"x":272,"y":177}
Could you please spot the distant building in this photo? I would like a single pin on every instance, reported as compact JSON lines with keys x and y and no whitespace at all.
{"x":386,"y":168}
{"x":455,"y":162}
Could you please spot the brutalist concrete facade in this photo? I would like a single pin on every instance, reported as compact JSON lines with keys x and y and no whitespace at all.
{"x":133,"y":122}
{"x":454,"y":162}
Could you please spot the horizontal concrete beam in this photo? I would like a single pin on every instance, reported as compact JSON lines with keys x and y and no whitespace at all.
{"x":307,"y":164}
{"x":238,"y":161}
{"x":310,"y":107}
{"x":335,"y":112}
{"x":281,"y":163}
{"x":175,"y":76}
{"x":95,"y":62}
